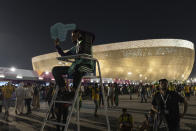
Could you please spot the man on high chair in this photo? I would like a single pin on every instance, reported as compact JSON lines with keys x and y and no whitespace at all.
{"x":83,"y":45}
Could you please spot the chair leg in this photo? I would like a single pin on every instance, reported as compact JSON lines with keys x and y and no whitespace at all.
{"x":102,"y":88}
{"x":72,"y":107}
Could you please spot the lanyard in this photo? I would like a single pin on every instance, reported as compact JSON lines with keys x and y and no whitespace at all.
{"x":78,"y":46}
{"x":164,"y":100}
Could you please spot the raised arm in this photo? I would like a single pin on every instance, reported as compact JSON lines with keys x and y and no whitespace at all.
{"x":60,"y":51}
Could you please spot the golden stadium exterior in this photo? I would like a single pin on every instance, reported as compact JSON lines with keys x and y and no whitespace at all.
{"x":146,"y":60}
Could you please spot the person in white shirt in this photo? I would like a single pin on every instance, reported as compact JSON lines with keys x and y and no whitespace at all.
{"x":28,"y":97}
{"x":110,"y":95}
{"x":20,"y":95}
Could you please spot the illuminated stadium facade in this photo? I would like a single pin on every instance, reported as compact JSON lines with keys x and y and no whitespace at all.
{"x":145,"y":60}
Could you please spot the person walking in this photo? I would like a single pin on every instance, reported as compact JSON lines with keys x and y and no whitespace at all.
{"x":116,"y":93}
{"x":143,"y":94}
{"x":95,"y":97}
{"x":166,"y":104}
{"x":131,"y":91}
{"x":187,"y":92}
{"x":49,"y":96}
{"x":110,"y":97}
{"x":36,"y":97}
{"x":20,"y":95}
{"x":28,"y":97}
{"x":7,"y":91}
{"x":101,"y":101}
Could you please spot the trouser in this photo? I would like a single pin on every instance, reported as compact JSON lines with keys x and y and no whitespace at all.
{"x":143,"y":97}
{"x":101,"y":99}
{"x":110,"y":99}
{"x":59,"y":71}
{"x":61,"y":111}
{"x":130,"y":94}
{"x":52,"y":109}
{"x":96,"y":106}
{"x":7,"y":103}
{"x":36,"y":102}
{"x":19,"y":105}
{"x":116,"y":100}
{"x":28,"y":104}
{"x":173,"y":125}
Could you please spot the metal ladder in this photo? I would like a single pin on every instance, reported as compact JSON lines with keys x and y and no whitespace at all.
{"x":76,"y":98}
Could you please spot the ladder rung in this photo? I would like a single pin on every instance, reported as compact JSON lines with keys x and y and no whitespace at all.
{"x":65,"y":102}
{"x":56,"y":123}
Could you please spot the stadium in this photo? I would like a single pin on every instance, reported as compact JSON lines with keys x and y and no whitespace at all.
{"x":141,"y":60}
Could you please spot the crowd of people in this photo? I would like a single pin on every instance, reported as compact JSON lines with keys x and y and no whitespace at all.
{"x":28,"y":95}
{"x":23,"y":97}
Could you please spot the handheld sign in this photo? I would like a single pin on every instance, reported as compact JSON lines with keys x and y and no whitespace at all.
{"x":60,"y":30}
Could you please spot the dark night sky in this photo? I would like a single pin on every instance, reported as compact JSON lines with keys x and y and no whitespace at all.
{"x":25,"y":25}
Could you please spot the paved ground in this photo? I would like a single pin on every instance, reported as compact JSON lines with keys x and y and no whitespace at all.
{"x":89,"y":122}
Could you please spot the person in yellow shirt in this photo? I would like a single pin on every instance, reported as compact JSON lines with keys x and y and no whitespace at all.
{"x":187,"y":92}
{"x":125,"y":121}
{"x":95,"y":96}
{"x":194,"y":90}
{"x":171,"y":87}
{"x":7,"y":92}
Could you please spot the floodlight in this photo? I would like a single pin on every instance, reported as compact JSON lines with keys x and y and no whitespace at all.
{"x":12,"y":69}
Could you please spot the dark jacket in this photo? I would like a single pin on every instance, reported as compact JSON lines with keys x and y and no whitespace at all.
{"x":84,"y":48}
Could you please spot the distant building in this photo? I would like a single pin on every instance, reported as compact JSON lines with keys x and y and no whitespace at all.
{"x":17,"y":74}
{"x":145,"y":60}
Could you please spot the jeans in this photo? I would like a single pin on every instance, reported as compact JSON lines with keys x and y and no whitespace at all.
{"x":143,"y":97}
{"x":59,"y":71}
{"x":28,"y":104}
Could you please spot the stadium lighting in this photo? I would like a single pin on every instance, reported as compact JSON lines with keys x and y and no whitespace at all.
{"x":182,"y":76}
{"x":129,"y":73}
{"x":2,"y":76}
{"x":12,"y":69}
{"x":40,"y":78}
{"x":140,"y":75}
{"x":19,"y":77}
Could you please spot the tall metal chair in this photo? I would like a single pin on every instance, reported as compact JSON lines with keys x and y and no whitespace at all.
{"x":86,"y":70}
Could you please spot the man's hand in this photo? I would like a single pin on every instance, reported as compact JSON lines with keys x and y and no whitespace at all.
{"x":56,"y":42}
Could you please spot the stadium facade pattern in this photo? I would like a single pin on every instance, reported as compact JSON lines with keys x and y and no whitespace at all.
{"x":146,"y":60}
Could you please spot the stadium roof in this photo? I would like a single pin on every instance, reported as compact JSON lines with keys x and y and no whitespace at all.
{"x":17,"y":74}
